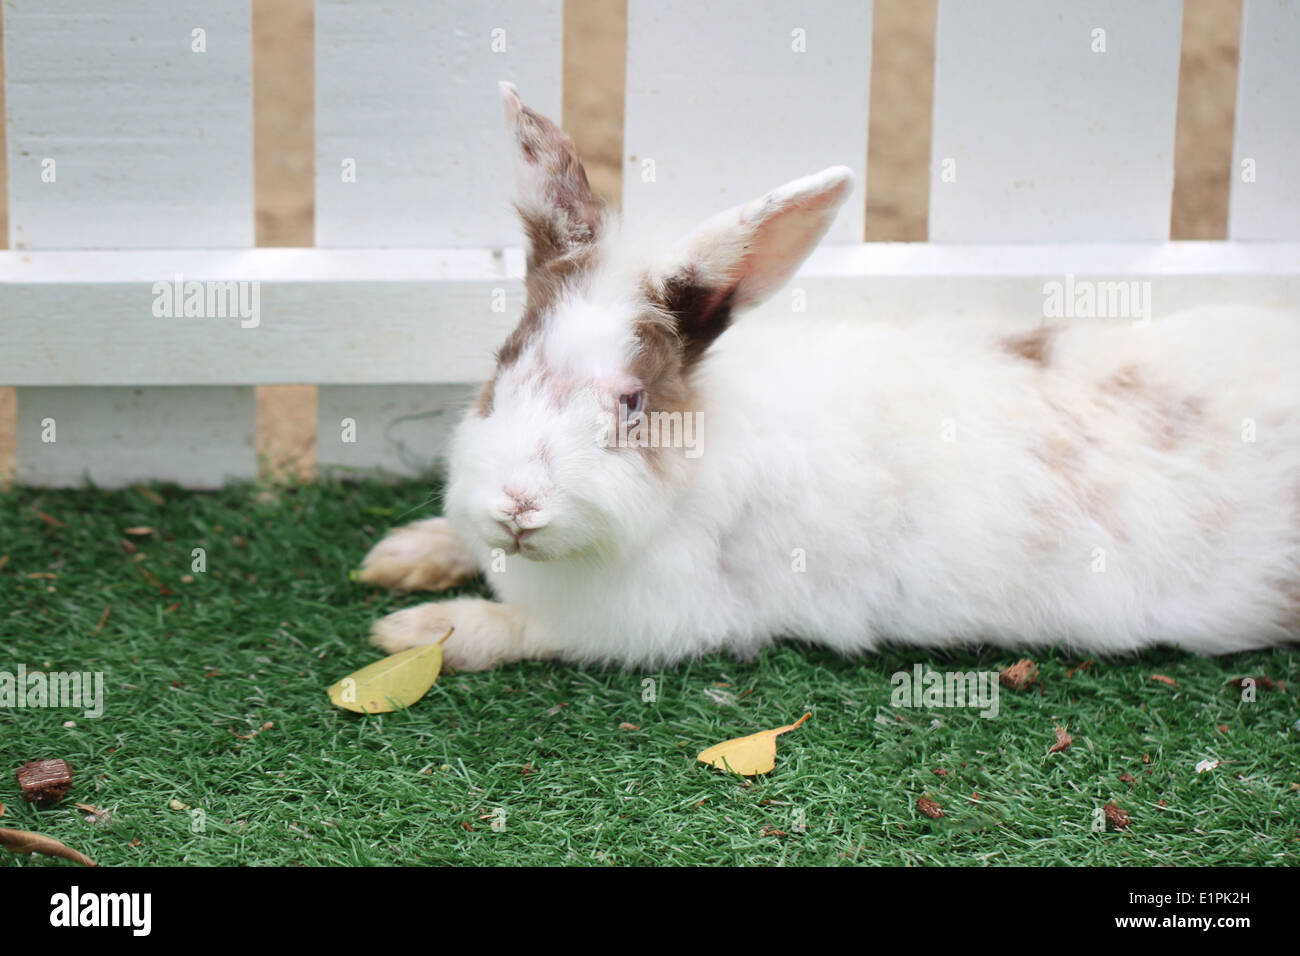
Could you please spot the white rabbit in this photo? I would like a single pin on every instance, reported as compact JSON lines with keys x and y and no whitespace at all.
{"x":931,"y":483}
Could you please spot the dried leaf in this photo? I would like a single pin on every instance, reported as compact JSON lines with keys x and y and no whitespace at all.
{"x":1063,"y":740}
{"x":1266,"y":683}
{"x":1117,"y":817}
{"x":1127,"y":778}
{"x":150,"y":495}
{"x":1163,"y":679}
{"x":138,"y":531}
{"x":22,"y":841}
{"x":626,"y":726}
{"x":49,"y":520}
{"x":394,"y":683}
{"x":929,"y":808}
{"x":748,"y":755}
{"x":1019,"y":674}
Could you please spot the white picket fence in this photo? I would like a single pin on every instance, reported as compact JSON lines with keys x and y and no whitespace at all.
{"x":130,"y":164}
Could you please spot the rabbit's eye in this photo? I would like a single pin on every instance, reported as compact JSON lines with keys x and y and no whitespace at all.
{"x":631,"y":404}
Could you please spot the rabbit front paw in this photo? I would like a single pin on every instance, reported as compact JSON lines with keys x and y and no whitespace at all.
{"x":422,"y":556}
{"x":484,"y":635}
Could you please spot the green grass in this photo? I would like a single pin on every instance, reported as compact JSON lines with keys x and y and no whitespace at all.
{"x":257,"y":638}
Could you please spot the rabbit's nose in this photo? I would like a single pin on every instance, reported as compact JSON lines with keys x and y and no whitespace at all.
{"x":518,"y":503}
{"x":520,"y":506}
{"x":518,"y":513}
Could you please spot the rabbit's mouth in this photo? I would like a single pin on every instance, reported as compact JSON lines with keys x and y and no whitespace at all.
{"x":519,"y":541}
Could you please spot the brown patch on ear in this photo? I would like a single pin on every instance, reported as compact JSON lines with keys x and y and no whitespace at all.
{"x":1034,"y":347}
{"x":566,"y":214}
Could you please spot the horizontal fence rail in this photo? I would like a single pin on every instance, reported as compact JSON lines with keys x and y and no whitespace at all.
{"x":135,"y":317}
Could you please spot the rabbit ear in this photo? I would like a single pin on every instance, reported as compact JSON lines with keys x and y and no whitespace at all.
{"x":554,"y":200}
{"x":742,"y":256}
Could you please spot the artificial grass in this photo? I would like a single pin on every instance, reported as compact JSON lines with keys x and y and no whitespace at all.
{"x":215,"y":697}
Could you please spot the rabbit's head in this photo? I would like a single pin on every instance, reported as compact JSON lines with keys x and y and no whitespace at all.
{"x":580,"y":442}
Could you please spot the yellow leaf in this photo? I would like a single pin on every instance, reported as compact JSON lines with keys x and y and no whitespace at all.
{"x":748,"y":755}
{"x":390,"y":684}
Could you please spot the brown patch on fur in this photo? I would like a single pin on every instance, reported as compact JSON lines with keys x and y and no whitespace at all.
{"x":1171,"y":419}
{"x":659,"y":367}
{"x":483,"y":404}
{"x":1063,"y":455}
{"x":1062,"y":458}
{"x":543,"y":285}
{"x":1034,"y":347}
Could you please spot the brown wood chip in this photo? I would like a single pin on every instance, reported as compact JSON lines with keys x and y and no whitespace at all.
{"x":44,"y":781}
{"x":929,"y":808}
{"x":1117,"y":817}
{"x":1019,"y":674}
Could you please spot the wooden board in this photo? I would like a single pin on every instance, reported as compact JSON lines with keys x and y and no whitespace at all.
{"x":727,"y":99}
{"x":1265,"y":194}
{"x":1040,"y":135}
{"x":127,"y":131}
{"x":78,"y":316}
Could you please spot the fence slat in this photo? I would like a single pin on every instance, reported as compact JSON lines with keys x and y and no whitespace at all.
{"x":1054,"y":120}
{"x":1265,"y":194}
{"x":131,"y":130}
{"x":74,"y":314}
{"x":412,"y":151}
{"x":129,"y":429}
{"x":727,"y":99}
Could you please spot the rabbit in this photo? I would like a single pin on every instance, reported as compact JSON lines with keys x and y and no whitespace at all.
{"x":848,"y":483}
